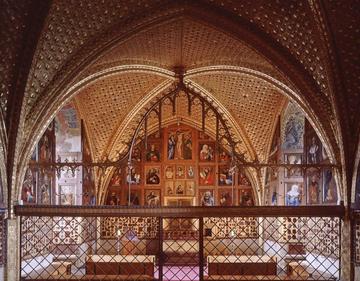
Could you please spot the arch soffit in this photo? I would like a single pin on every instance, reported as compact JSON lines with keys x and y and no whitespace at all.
{"x":3,"y":153}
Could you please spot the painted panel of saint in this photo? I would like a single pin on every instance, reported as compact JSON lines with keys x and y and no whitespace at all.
{"x":169,"y":172}
{"x":207,"y":151}
{"x":206,"y":197}
{"x":242,"y":179}
{"x":225,"y":197}
{"x":88,"y":193}
{"x":180,"y":188}
{"x":190,"y":172}
{"x":134,"y":176}
{"x":45,"y":149}
{"x":329,"y":187}
{"x":224,"y":157}
{"x":152,"y":197}
{"x":313,"y":181}
{"x":180,"y":172}
{"x":225,"y":177}
{"x":314,"y":150}
{"x":115,"y":179}
{"x":206,"y":175}
{"x":28,"y":193}
{"x":134,"y":198}
{"x":293,"y":194}
{"x":293,"y":159}
{"x":153,"y":152}
{"x":136,"y":154}
{"x":190,"y":188}
{"x":179,"y":145}
{"x":293,"y":130}
{"x":67,"y":196}
{"x":152,"y":175}
{"x":357,"y":187}
{"x":246,"y":198}
{"x":169,"y":188}
{"x":45,"y":188}
{"x":113,"y":198}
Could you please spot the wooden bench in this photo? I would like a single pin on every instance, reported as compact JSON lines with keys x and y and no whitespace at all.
{"x":241,"y":265}
{"x":260,"y":278}
{"x":94,"y":278}
{"x":120,"y":265}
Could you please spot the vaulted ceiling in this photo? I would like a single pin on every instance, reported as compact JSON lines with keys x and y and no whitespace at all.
{"x":210,"y":58}
{"x":110,"y":55}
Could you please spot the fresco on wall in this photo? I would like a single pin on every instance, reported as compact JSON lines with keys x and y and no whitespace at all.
{"x":68,"y":130}
{"x":330,"y":195}
{"x":313,"y":184}
{"x":294,"y":194}
{"x":292,"y":131}
{"x":67,"y":196}
{"x":293,"y":159}
{"x":46,"y":178}
{"x":28,"y":193}
{"x":313,"y":146}
{"x":45,"y":189}
{"x":357,"y":187}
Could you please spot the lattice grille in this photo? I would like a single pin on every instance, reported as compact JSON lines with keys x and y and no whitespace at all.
{"x":218,"y":247}
{"x":300,"y":247}
{"x":221,"y":227}
{"x":37,"y":236}
{"x":144,"y":227}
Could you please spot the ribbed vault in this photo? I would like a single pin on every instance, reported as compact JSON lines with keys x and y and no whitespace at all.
{"x":109,"y":100}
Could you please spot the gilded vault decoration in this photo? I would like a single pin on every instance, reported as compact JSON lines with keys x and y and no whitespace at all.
{"x":245,"y":98}
{"x":309,"y":46}
{"x":105,"y":104}
{"x":188,"y":31}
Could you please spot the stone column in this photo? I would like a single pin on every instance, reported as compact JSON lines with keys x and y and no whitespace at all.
{"x":12,"y":269}
{"x":345,"y":249}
